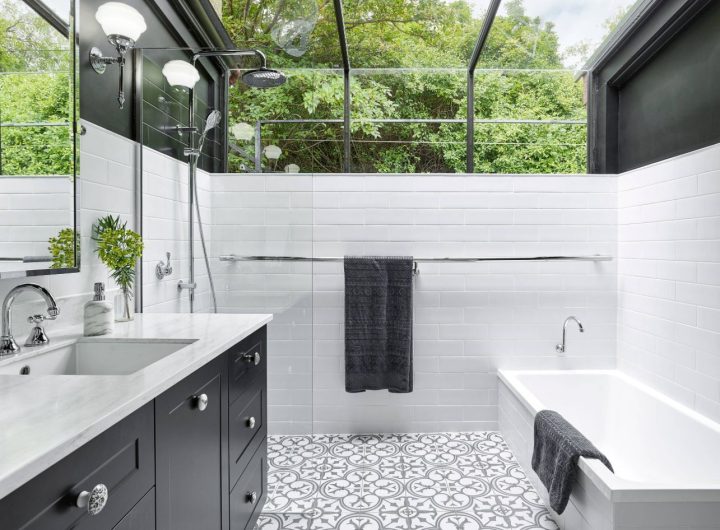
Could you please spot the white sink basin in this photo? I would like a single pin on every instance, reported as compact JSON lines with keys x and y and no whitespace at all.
{"x":94,"y":357}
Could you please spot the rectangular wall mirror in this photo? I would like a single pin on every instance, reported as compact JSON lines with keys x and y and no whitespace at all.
{"x":38,"y":138}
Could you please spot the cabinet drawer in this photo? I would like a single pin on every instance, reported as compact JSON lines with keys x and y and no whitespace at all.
{"x":244,"y":507}
{"x":248,"y":364}
{"x":121,"y":458}
{"x":142,"y":516}
{"x":247,"y":430}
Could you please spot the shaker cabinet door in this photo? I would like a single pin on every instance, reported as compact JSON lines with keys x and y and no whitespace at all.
{"x":190,"y":461}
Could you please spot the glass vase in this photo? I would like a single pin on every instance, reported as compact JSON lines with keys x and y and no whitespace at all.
{"x":124,"y":310}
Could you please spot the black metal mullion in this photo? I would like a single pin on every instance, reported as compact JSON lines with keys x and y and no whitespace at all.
{"x":340,"y":22}
{"x":474,"y":58}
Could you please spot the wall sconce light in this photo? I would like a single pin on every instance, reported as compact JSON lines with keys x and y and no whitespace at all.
{"x":123,"y":25}
{"x":243,"y":131}
{"x":181,"y":73}
{"x":272,"y":152}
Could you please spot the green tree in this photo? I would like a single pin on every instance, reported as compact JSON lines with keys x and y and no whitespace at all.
{"x":420,"y":34}
{"x":35,"y":87}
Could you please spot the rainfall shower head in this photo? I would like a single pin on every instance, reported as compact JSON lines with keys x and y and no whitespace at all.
{"x":213,"y":120}
{"x":263,"y":78}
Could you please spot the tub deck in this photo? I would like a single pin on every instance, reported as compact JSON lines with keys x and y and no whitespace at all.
{"x":666,"y":460}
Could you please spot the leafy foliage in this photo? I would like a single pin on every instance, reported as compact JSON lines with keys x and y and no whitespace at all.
{"x":63,"y":248}
{"x":118,"y":248}
{"x":35,"y":87}
{"x":407,"y":34}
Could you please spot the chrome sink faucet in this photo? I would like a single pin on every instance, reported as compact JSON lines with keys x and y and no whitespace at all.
{"x":560,"y":348}
{"x":8,"y":345}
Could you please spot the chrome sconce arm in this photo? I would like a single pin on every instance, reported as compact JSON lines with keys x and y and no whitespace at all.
{"x":99,"y":62}
{"x":123,"y":25}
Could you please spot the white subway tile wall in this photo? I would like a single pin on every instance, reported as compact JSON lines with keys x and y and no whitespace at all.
{"x":659,"y":303}
{"x":669,"y":277}
{"x":33,"y":209}
{"x":165,"y":229}
{"x":270,"y":215}
{"x":106,"y":185}
{"x":470,"y":318}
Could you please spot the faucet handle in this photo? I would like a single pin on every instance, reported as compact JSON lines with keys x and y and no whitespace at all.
{"x":36,"y":319}
{"x":37,"y":336}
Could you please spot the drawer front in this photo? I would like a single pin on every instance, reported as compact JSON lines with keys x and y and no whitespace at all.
{"x":121,"y":458}
{"x":142,"y":516}
{"x":248,"y":364}
{"x":247,"y":430}
{"x":244,"y":508}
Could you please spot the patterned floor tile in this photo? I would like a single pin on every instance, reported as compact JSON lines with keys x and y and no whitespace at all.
{"x":425,"y":481}
{"x":289,"y":491}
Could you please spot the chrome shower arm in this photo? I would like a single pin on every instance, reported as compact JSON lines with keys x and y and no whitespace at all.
{"x":232,"y":53}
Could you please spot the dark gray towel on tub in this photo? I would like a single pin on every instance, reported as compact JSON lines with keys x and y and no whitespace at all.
{"x":378,"y":324}
{"x":558,"y":446}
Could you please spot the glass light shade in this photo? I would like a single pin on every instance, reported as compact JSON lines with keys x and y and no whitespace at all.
{"x":181,"y":73}
{"x":243,"y":131}
{"x":117,"y":18}
{"x":272,"y":152}
{"x":292,"y":168}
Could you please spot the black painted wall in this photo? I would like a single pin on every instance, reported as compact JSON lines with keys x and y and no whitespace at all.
{"x":653,"y":93}
{"x":167,"y":31}
{"x":165,"y":108}
{"x":672,"y":105}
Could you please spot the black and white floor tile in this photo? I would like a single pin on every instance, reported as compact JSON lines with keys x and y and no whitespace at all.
{"x":438,"y":481}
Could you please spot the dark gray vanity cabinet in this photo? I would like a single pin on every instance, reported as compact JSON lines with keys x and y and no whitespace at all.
{"x":193,"y":459}
{"x":191,"y":451}
{"x":247,"y":366}
{"x":122,"y":458}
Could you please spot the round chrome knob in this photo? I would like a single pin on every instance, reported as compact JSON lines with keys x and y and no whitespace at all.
{"x":251,"y":497}
{"x":252,"y":358}
{"x":94,"y":500}
{"x":201,"y":402}
{"x":251,"y":422}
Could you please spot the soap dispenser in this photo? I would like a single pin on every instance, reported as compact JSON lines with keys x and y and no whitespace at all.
{"x":99,"y":314}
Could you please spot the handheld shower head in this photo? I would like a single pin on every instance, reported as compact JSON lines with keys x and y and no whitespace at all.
{"x":213,"y":120}
{"x":264,"y":78}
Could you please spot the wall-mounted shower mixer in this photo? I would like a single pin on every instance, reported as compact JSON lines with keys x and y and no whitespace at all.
{"x":186,"y":286}
{"x":163,"y":269}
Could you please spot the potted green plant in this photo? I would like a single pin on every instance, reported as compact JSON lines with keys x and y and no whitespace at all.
{"x":119,"y":248}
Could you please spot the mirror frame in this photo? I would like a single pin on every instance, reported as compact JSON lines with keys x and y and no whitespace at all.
{"x":77,"y":131}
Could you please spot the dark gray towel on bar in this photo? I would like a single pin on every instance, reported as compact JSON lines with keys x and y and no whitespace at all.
{"x":558,"y":446}
{"x":378,"y":323}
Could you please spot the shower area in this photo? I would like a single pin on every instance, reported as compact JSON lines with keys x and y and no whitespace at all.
{"x":501,"y":259}
{"x":195,"y":215}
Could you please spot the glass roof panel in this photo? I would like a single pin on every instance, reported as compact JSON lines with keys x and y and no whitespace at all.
{"x":293,"y":33}
{"x":412,"y":33}
{"x":550,"y":34}
{"x":60,"y":7}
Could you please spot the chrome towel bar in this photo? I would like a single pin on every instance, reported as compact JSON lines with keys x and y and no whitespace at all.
{"x":416,"y":270}
{"x":594,"y":257}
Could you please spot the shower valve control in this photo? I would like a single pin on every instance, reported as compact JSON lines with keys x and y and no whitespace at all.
{"x":163,"y":269}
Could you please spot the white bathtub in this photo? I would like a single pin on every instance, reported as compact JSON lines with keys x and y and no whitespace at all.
{"x":666,"y":457}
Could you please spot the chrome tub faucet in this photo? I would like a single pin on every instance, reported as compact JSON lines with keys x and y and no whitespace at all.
{"x":560,"y":348}
{"x":8,"y":345}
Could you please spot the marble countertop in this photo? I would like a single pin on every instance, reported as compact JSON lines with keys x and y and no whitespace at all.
{"x":44,"y":418}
